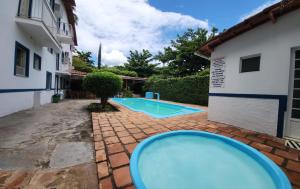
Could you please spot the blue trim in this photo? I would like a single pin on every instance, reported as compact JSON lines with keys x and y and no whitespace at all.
{"x":19,"y":45}
{"x":279,"y":178}
{"x":282,"y":105}
{"x":22,"y":90}
{"x":39,"y":58}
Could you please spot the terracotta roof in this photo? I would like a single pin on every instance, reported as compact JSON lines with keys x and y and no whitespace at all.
{"x":77,"y":73}
{"x":70,"y":7}
{"x":269,"y":14}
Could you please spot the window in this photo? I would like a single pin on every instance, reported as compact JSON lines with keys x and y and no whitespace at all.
{"x":52,"y":3}
{"x":62,"y":57}
{"x":21,"y":60}
{"x":48,"y":80}
{"x":57,"y":61}
{"x":250,"y":64}
{"x":37,"y":62}
{"x":50,"y":50}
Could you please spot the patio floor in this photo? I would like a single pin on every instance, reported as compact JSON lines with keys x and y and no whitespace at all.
{"x":117,"y":133}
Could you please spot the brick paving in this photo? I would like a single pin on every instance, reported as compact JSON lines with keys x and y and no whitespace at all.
{"x":117,"y":133}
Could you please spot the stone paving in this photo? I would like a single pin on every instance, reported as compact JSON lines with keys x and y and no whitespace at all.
{"x":117,"y":133}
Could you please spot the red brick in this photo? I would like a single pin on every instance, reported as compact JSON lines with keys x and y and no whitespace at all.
{"x":97,"y":138}
{"x":127,"y":140}
{"x":294,"y":166}
{"x":276,"y":144}
{"x":108,"y":134}
{"x":130,"y":147}
{"x":123,"y":133}
{"x":118,"y":159}
{"x":239,"y":133}
{"x":261,"y":147}
{"x":139,"y":135}
{"x":130,"y":187}
{"x":275,"y":158}
{"x":256,"y":139}
{"x":100,"y":155}
{"x":115,"y":148}
{"x":150,"y":131}
{"x":226,"y":134}
{"x":102,"y":169}
{"x":122,"y":176}
{"x":287,"y":155}
{"x":117,"y":129}
{"x":105,"y":183}
{"x":134,"y":130}
{"x":294,"y":177}
{"x":99,"y":145}
{"x":111,"y":140}
{"x":106,"y":129}
{"x":241,"y":139}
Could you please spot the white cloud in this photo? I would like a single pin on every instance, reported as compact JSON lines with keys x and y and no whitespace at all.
{"x":123,"y":25}
{"x":258,"y":9}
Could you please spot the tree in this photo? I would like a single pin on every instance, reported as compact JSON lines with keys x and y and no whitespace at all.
{"x":85,"y":57}
{"x":103,"y":85}
{"x":140,"y":62}
{"x":180,"y":57}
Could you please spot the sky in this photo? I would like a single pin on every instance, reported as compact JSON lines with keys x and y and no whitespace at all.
{"x":124,"y":25}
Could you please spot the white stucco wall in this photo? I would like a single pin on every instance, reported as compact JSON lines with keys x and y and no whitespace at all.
{"x":274,"y":42}
{"x":10,"y":33}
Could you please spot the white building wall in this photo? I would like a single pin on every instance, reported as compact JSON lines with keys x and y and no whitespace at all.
{"x":274,"y":42}
{"x":10,"y":33}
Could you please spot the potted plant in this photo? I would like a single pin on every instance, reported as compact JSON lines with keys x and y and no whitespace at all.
{"x":56,"y":98}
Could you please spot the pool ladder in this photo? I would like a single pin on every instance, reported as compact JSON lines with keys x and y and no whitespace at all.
{"x":157,"y":96}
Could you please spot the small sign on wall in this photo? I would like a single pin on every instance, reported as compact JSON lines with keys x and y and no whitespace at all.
{"x":218,"y":73}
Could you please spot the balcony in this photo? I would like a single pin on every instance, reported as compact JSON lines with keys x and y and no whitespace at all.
{"x":37,"y":19}
{"x":65,"y":33}
{"x":65,"y":67}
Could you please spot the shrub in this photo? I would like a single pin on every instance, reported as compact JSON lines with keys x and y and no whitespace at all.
{"x":117,"y":71}
{"x":81,"y":65}
{"x":96,"y":107}
{"x":127,"y":93}
{"x":191,"y":89}
{"x":103,"y":85}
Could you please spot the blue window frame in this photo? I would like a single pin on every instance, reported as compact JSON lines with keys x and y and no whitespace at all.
{"x":37,"y":62}
{"x":57,"y":61}
{"x":48,"y":80}
{"x":22,"y":54}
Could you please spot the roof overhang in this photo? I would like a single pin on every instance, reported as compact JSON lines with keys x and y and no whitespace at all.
{"x":269,"y":14}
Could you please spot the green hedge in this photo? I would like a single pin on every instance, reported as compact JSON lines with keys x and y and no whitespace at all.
{"x":191,"y":89}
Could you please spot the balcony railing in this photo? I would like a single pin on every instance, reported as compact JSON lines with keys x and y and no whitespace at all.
{"x":39,"y":10}
{"x":65,"y":29}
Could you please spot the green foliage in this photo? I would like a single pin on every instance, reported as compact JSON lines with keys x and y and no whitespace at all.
{"x":205,"y":72}
{"x":85,"y":57}
{"x":191,"y":89}
{"x":81,"y":65}
{"x":103,"y":85}
{"x":127,"y":93}
{"x":139,"y":62}
{"x":117,"y":71}
{"x":180,"y":58}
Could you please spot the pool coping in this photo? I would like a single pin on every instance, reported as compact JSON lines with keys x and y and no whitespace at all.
{"x":280,"y":179}
{"x":197,"y":110}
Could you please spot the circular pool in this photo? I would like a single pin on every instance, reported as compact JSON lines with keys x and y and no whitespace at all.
{"x":196,"y":160}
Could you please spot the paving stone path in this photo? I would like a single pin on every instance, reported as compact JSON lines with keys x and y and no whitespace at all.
{"x":117,"y":133}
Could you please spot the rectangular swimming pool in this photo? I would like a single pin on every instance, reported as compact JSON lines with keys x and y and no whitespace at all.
{"x":155,"y":109}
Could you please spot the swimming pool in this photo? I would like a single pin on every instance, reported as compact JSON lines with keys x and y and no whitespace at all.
{"x":155,"y":109}
{"x":196,"y":160}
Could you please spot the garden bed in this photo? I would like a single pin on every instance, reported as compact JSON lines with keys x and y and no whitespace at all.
{"x":97,"y":107}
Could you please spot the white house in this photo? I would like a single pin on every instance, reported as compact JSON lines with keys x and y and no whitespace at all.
{"x":36,"y":42}
{"x":255,"y":72}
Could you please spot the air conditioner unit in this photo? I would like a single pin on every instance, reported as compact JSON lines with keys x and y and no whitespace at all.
{"x":57,"y":10}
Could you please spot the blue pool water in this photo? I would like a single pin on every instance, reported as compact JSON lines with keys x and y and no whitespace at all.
{"x":155,"y":108}
{"x":196,"y":160}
